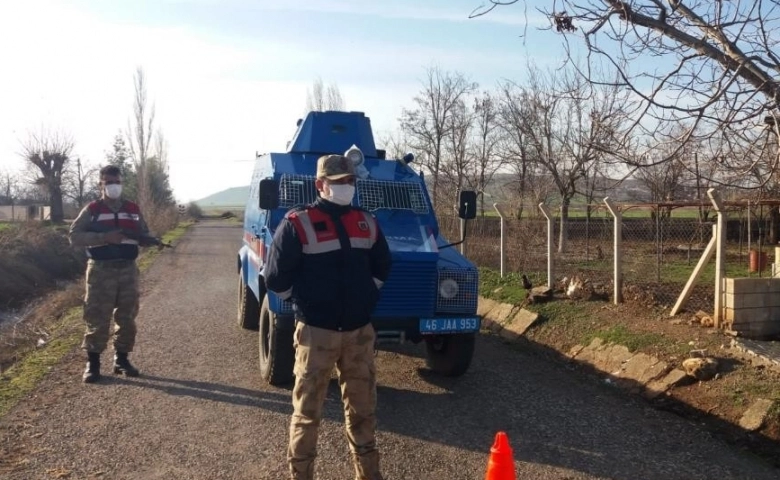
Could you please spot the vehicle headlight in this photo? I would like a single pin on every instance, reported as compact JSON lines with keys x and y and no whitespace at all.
{"x":448,"y":288}
{"x":354,"y":155}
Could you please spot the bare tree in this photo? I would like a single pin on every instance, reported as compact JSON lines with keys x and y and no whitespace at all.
{"x":663,"y":182}
{"x":321,"y":98}
{"x":429,"y":124}
{"x":457,"y":165}
{"x":335,"y":100}
{"x":139,"y":136}
{"x":48,"y":153}
{"x":79,"y":183}
{"x":315,"y":99}
{"x":485,"y":150}
{"x":9,"y":187}
{"x":515,"y":146}
{"x":596,"y":182}
{"x":395,"y":144}
{"x":712,"y":63}
{"x":569,"y":127}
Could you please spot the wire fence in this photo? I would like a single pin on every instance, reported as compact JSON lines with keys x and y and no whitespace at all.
{"x":661,"y":246}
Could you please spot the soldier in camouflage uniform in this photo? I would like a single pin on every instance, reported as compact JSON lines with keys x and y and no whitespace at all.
{"x":331,"y":259}
{"x":112,"y":229}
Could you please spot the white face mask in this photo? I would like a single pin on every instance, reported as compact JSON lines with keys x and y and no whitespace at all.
{"x":113,"y":191}
{"x":340,"y":194}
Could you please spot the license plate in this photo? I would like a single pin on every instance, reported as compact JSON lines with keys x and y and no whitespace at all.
{"x":449,"y":325}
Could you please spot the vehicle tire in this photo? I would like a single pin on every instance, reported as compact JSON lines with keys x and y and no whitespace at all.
{"x":277,"y":354}
{"x":248,"y":308}
{"x":450,"y":355}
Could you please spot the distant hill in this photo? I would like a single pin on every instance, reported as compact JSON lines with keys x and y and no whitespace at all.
{"x":232,"y":197}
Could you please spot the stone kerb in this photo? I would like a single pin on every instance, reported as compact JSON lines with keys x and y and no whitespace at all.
{"x":629,"y":370}
{"x":636,"y":372}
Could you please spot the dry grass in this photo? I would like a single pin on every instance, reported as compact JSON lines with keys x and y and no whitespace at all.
{"x":160,"y":219}
{"x":19,"y":339}
{"x":40,"y":272}
{"x":34,"y":258}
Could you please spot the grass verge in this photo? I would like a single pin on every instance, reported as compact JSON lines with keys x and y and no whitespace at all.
{"x":719,"y":403}
{"x":621,"y":335}
{"x":22,"y":377}
{"x":171,"y":236}
{"x":65,"y":335}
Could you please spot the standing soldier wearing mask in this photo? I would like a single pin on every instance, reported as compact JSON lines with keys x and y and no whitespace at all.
{"x":111,"y":228}
{"x":331,"y":259}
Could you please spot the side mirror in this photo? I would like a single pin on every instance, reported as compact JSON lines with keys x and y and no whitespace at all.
{"x":468,"y":205}
{"x":269,"y":194}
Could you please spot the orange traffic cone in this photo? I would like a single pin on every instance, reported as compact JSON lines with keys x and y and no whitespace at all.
{"x":501,"y":464}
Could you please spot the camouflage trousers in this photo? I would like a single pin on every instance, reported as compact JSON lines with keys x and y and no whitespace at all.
{"x":317,"y":350}
{"x":112,"y":296}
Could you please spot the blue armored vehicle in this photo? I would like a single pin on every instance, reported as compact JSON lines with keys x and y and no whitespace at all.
{"x":431,"y":294}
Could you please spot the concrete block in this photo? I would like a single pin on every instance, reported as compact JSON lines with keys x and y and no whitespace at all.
{"x":508,"y":334}
{"x":751,"y":300}
{"x":755,"y":415}
{"x":758,"y":331}
{"x":522,"y":321}
{"x":495,"y":327}
{"x":750,"y":315}
{"x":502,"y":313}
{"x":752,"y":285}
{"x":644,"y":368}
{"x":575,"y":350}
{"x":485,"y":305}
{"x":613,"y":357}
{"x":671,"y":379}
{"x":587,"y":355}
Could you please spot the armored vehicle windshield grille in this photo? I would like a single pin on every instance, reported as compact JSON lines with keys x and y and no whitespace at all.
{"x":376,"y":194}
{"x":298,"y":190}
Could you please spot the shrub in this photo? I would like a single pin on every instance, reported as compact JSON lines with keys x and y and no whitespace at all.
{"x":33,"y":257}
{"x":194,"y":210}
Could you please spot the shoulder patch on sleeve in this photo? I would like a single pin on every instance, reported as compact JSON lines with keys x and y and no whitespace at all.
{"x":293,"y":213}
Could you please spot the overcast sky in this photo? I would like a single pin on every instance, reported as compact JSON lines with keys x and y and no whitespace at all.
{"x":229,"y":77}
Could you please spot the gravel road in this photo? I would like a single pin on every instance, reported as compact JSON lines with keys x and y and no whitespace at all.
{"x":200,"y":411}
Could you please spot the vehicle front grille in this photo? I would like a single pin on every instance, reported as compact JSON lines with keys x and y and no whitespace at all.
{"x":410,"y":290}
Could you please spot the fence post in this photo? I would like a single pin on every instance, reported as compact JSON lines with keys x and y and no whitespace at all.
{"x":658,"y":242}
{"x":749,"y":232}
{"x":462,"y":234}
{"x":720,"y":257}
{"x":686,"y":293}
{"x":503,"y":237}
{"x":550,"y":242}
{"x":617,"y":253}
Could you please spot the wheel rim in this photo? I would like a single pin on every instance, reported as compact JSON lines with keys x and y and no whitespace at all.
{"x":241,"y":293}
{"x":265,"y":336}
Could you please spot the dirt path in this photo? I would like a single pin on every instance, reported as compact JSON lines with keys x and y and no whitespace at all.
{"x":199,"y":410}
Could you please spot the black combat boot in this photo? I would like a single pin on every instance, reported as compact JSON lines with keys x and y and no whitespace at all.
{"x":92,"y":373}
{"x":123,"y":365}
